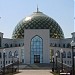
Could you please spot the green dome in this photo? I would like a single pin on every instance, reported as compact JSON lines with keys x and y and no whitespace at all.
{"x":38,"y":20}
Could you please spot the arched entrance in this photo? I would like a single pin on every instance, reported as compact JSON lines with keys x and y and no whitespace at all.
{"x":36,"y":53}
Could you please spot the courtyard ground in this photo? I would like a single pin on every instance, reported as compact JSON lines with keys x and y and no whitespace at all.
{"x":34,"y":72}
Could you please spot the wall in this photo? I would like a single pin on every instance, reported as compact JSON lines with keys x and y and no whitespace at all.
{"x":28,"y":35}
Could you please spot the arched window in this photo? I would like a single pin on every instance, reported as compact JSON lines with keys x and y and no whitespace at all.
{"x":74,"y":53}
{"x":23,"y":44}
{"x":68,"y":45}
{"x":6,"y":45}
{"x":6,"y":54}
{"x":10,"y":45}
{"x":64,"y":45}
{"x":15,"y":45}
{"x":69,"y":54}
{"x":64,"y":54}
{"x":16,"y":53}
{"x":58,"y":52}
{"x":55,"y":45}
{"x":0,"y":41}
{"x":51,"y":44}
{"x":10,"y":54}
{"x":59,"y":45}
{"x":19,"y":45}
{"x":36,"y":49}
{"x":0,"y":55}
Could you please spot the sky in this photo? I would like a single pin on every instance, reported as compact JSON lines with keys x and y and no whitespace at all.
{"x":12,"y":11}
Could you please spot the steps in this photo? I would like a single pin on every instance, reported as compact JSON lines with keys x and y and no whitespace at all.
{"x":36,"y":66}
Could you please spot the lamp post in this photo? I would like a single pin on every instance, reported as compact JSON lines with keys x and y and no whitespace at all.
{"x":72,"y":45}
{"x":12,"y":62}
{"x":56,"y":60}
{"x":18,"y":62}
{"x":53,"y":64}
{"x":61,"y":59}
{"x":3,"y":61}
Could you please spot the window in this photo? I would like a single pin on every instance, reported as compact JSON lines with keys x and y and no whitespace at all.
{"x":10,"y":45}
{"x":64,"y":54}
{"x":22,"y":55}
{"x":70,"y":62}
{"x":51,"y":44}
{"x":65,"y":62}
{"x":23,"y":44}
{"x":10,"y":54}
{"x":64,"y":45}
{"x":1,"y":62}
{"x":58,"y":52}
{"x":59,"y":45}
{"x":6,"y":54}
{"x":9,"y":62}
{"x":22,"y":60}
{"x":68,"y":45}
{"x":74,"y":53}
{"x":74,"y":39}
{"x":36,"y":48}
{"x":6,"y":45}
{"x":69,"y":54}
{"x":0,"y":55}
{"x":0,"y":41}
{"x":6,"y":62}
{"x":16,"y":53}
{"x":55,"y":45}
{"x":15,"y":45}
{"x":19,"y":45}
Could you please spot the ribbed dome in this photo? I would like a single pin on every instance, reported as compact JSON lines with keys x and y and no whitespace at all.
{"x":38,"y":20}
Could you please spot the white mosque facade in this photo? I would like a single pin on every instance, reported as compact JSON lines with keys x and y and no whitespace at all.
{"x":35,"y":40}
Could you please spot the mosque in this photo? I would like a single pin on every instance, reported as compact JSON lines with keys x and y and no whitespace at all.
{"x":35,"y":39}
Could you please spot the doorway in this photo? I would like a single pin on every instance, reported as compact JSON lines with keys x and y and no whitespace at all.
{"x":36,"y":58}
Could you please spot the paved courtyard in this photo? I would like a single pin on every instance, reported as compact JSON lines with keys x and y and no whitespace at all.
{"x":34,"y":72}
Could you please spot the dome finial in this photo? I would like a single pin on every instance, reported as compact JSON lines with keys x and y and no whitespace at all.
{"x":37,"y":9}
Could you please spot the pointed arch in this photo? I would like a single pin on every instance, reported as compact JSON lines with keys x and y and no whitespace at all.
{"x":64,"y":54}
{"x":16,"y":53}
{"x":69,"y":54}
{"x":36,"y":49}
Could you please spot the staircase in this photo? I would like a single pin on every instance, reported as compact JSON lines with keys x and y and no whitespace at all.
{"x":36,"y":66}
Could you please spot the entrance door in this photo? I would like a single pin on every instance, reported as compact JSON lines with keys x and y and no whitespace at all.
{"x":36,"y":58}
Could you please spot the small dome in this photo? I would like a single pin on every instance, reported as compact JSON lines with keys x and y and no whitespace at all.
{"x":38,"y":20}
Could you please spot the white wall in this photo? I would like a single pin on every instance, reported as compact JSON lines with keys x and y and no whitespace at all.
{"x":64,"y":59}
{"x":7,"y":50}
{"x":28,"y":35}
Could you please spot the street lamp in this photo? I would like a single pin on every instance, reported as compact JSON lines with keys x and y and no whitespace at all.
{"x":56,"y":60}
{"x":12,"y":62}
{"x":72,"y":45}
{"x":61,"y":59}
{"x":53,"y":63}
{"x":3,"y":61}
{"x":18,"y":62}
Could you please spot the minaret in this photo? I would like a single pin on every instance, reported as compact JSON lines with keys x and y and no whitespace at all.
{"x":37,"y":9}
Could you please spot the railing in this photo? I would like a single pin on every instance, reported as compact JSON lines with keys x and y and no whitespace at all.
{"x":66,"y":68}
{"x":9,"y":68}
